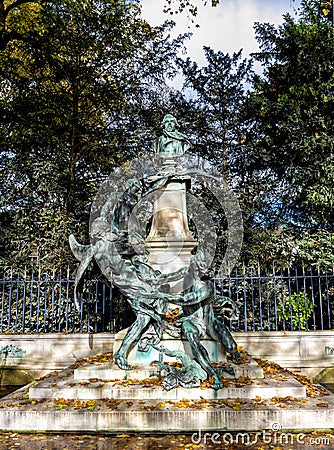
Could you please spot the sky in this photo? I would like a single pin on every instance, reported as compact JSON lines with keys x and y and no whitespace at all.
{"x":227,"y":27}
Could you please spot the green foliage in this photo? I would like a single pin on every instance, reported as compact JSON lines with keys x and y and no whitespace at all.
{"x":16,"y":19}
{"x":294,"y":102}
{"x":83,"y":88}
{"x":275,"y":141}
{"x":293,"y":135}
{"x":297,"y":309}
{"x":73,"y":96}
{"x":212,"y":108}
{"x":212,"y":105}
{"x":316,"y":246}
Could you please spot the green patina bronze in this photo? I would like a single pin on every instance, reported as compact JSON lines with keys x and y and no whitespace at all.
{"x":172,"y":142}
{"x":190,"y":375}
{"x":119,"y":249}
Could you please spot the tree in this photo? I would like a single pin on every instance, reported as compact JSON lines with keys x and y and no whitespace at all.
{"x":213,"y":104}
{"x":293,"y":103}
{"x":15,"y":19}
{"x":70,"y":108}
{"x":275,"y":140}
{"x":212,"y":107}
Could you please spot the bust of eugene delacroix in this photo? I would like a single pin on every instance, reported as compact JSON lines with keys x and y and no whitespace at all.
{"x":172,"y":143}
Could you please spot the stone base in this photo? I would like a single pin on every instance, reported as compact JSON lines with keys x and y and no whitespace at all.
{"x":110,"y":408}
{"x":84,"y":398}
{"x":294,"y":350}
{"x":73,"y":387}
{"x":170,"y":255}
{"x":171,"y":420}
{"x":109,"y":371}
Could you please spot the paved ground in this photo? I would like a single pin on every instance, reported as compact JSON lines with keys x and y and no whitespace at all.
{"x":252,"y":441}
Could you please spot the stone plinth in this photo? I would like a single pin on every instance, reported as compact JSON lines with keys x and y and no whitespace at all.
{"x":98,"y":386}
{"x":62,"y":403}
{"x":110,"y":371}
{"x":170,"y":243}
{"x":294,"y":350}
{"x":216,"y":421}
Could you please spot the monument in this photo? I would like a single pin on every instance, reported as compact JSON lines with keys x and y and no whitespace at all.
{"x":155,"y":241}
{"x":165,"y":271}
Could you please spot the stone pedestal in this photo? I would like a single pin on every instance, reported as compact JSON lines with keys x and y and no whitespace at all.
{"x":109,"y":371}
{"x":90,"y":398}
{"x":170,"y":243}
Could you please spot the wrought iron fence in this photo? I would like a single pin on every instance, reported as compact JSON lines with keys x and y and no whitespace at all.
{"x":43,"y":303}
{"x":269,"y":300}
{"x":292,"y":299}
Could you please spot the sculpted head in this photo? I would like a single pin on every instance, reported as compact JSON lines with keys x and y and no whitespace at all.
{"x":169,"y":122}
{"x":132,"y":186}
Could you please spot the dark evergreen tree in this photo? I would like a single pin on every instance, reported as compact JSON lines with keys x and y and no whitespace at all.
{"x":292,"y":104}
{"x":71,"y":105}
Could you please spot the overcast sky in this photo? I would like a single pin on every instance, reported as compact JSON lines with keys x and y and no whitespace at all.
{"x":227,"y":27}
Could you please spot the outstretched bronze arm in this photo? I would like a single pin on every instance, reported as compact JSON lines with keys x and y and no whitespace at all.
{"x":173,"y":276}
{"x":192,"y":298}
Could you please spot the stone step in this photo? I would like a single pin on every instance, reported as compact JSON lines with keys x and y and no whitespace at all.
{"x":109,"y":371}
{"x":219,"y":423}
{"x":61,"y":403}
{"x":22,"y":415}
{"x":70,"y":388}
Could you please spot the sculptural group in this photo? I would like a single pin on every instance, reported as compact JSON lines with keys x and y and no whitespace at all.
{"x":119,"y":248}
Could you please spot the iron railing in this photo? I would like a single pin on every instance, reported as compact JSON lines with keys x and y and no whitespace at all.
{"x":291,"y":299}
{"x":269,"y":300}
{"x":43,"y":303}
